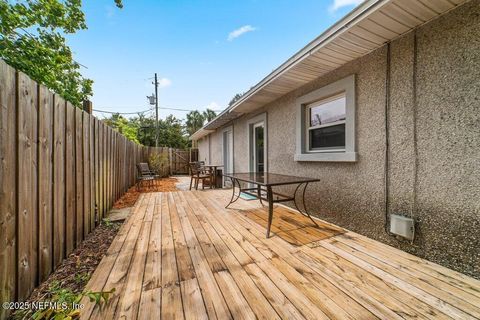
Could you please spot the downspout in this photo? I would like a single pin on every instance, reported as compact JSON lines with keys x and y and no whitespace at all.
{"x":209,"y":148}
{"x":414,"y":133}
{"x":387,"y":139}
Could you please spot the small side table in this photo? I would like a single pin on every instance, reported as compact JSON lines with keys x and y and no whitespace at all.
{"x":213,"y":168}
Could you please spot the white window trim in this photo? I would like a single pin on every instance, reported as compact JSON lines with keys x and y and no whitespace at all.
{"x":347,"y":154}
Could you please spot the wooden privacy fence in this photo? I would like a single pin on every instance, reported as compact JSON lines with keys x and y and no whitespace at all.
{"x":177,"y":160}
{"x":61,"y":169}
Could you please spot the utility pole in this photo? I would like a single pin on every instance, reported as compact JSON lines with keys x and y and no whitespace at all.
{"x":156,"y":111}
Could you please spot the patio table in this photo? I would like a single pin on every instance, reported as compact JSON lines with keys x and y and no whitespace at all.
{"x":265,"y":182}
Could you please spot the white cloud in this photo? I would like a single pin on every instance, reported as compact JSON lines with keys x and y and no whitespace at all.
{"x":238,"y":32}
{"x":214,"y":106}
{"x":337,"y":4}
{"x":164,"y":82}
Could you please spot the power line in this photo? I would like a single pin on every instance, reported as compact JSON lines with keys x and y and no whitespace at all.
{"x":187,"y":110}
{"x":164,"y":108}
{"x":115,"y":112}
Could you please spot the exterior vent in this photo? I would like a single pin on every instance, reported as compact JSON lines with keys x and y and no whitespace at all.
{"x":402,"y":226}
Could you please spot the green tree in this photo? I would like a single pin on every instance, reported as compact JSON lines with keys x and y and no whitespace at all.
{"x":171,"y":133}
{"x":145,"y":129}
{"x":124,"y":126}
{"x":141,"y":129}
{"x":209,"y":115}
{"x":235,"y":98}
{"x":194,"y":121}
{"x":31,"y":40}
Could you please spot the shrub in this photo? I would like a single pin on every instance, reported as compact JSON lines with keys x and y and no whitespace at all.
{"x":159,"y":163}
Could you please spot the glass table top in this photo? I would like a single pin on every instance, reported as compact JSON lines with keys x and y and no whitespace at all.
{"x":268,"y":179}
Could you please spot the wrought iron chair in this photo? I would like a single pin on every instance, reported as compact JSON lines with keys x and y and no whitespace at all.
{"x":197,"y":173}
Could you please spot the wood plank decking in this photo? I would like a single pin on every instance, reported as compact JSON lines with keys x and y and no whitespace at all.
{"x":182,"y":255}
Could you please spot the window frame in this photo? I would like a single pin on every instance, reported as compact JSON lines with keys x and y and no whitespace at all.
{"x":303,"y":105}
{"x":309,"y":127}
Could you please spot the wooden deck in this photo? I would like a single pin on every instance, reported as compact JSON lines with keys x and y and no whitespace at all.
{"x":182,"y":255}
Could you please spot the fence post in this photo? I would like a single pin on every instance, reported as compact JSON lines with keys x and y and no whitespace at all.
{"x":170,"y":160}
{"x":87,"y":106}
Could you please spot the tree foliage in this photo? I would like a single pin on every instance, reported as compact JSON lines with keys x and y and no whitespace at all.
{"x":142,"y":129}
{"x":196,"y":120}
{"x":124,"y":126}
{"x":171,"y":133}
{"x":32,"y":40}
{"x":209,"y":115}
{"x":235,"y":98}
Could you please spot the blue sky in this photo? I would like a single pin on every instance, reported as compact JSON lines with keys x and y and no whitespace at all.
{"x":203,"y":51}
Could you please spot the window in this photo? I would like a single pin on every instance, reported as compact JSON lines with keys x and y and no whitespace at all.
{"x":326,"y":123}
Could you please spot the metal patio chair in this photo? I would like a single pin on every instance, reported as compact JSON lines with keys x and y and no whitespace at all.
{"x":145,"y":175}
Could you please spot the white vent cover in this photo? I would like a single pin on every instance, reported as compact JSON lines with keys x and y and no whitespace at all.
{"x":402,"y":226}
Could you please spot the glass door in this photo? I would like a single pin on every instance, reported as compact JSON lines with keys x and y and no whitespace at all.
{"x":259,"y":147}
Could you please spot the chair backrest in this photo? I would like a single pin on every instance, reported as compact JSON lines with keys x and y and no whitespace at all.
{"x":195,"y":168}
{"x":144,"y":169}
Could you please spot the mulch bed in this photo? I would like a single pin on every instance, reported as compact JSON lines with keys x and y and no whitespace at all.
{"x":131,"y":196}
{"x":76,"y":270}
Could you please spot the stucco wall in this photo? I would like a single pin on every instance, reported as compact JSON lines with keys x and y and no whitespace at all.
{"x":203,"y":149}
{"x":438,"y":181}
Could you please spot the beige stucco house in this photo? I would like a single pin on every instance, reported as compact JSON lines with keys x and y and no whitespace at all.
{"x":384,"y":108}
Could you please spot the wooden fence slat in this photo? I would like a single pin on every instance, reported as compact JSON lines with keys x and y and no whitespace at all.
{"x":45,"y":139}
{"x":106,"y":152}
{"x":107,"y":170}
{"x":104,"y":169}
{"x":70,"y":184}
{"x":98,"y":170}
{"x":86,"y":173}
{"x":131,"y":163}
{"x":127,"y":157}
{"x":110,"y":167}
{"x":93,"y":185}
{"x":130,"y":160}
{"x":59,"y":181}
{"x":119,"y":166}
{"x":115,"y":166}
{"x":8,"y":185}
{"x":119,"y":163}
{"x":109,"y":163}
{"x":79,"y":173}
{"x":27,"y":186}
